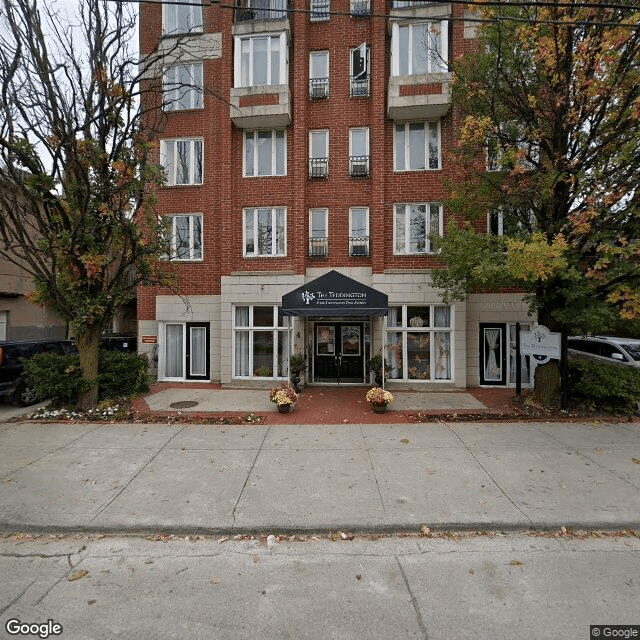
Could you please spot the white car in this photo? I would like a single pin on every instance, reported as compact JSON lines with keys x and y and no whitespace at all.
{"x":625,"y":351}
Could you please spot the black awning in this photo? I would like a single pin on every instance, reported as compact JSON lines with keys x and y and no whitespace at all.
{"x":334,"y":294}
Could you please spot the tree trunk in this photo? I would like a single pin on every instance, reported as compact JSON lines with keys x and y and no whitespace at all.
{"x":88,"y":344}
{"x":547,"y":383}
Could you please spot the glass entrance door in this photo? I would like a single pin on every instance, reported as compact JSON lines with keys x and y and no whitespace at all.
{"x":339,"y":352}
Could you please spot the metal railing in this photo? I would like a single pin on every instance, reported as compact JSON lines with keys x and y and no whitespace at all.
{"x":319,"y":10}
{"x":360,"y":8}
{"x":318,"y":247}
{"x":359,"y":87}
{"x":359,"y":166}
{"x":318,"y":167}
{"x":359,"y":246}
{"x":261,"y":10}
{"x":318,"y":88}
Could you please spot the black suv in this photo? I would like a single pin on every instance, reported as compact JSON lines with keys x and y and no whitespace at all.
{"x":13,"y":386}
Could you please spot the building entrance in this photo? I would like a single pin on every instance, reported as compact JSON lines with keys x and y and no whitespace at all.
{"x":339,"y":352}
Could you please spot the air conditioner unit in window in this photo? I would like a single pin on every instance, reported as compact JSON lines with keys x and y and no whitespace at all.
{"x":359,"y":169}
{"x":319,"y":92}
{"x":359,"y":250}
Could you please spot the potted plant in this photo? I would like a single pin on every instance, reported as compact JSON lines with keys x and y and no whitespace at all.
{"x":297,"y":364}
{"x":375,"y":364}
{"x":379,"y":398}
{"x":283,"y":397}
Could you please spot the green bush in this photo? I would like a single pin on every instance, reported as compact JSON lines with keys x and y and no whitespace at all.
{"x":604,"y":386}
{"x":60,"y":379}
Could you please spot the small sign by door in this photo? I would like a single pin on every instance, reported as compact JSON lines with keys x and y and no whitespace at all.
{"x":540,"y":343}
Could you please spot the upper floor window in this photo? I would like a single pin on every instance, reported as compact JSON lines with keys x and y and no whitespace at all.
{"x":182,"y":18}
{"x":260,"y":60}
{"x":359,"y":231}
{"x":265,"y":153}
{"x":419,"y":48}
{"x":265,"y":231}
{"x":495,"y":222}
{"x":318,"y":75}
{"x":182,"y":160}
{"x":359,"y":151}
{"x":318,"y":232}
{"x":512,"y":147}
{"x":185,"y":237}
{"x":319,"y":153}
{"x":413,"y":224}
{"x":359,"y":80}
{"x":319,"y":10}
{"x":417,"y":146}
{"x":183,"y":87}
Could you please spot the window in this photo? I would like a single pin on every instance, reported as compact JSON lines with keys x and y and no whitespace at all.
{"x":260,"y":60}
{"x":318,"y":75}
{"x":319,"y":153}
{"x":359,"y":231}
{"x":419,"y":48}
{"x":182,"y":160}
{"x":510,"y":148}
{"x":261,"y":342}
{"x":318,"y":232}
{"x":359,"y":151}
{"x":417,"y":146}
{"x":359,"y":84}
{"x":419,"y":340}
{"x":265,"y":153}
{"x":265,"y":232}
{"x":183,"y":87}
{"x":413,"y":223}
{"x":319,"y":10}
{"x":495,"y":223}
{"x":185,"y":237}
{"x":182,"y":18}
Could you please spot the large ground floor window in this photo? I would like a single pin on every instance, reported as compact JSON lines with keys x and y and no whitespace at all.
{"x":419,"y":340}
{"x":261,"y":342}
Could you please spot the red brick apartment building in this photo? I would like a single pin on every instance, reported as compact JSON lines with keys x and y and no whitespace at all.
{"x":305,"y":162}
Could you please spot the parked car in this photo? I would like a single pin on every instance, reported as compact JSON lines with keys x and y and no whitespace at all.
{"x":622,"y":351}
{"x":13,"y":386}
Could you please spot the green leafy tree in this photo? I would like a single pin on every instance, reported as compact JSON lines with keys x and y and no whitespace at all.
{"x":76,"y":181}
{"x":550,"y":144}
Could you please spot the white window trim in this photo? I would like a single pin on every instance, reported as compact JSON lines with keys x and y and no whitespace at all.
{"x":255,"y":153}
{"x":313,"y":54}
{"x":166,"y":8}
{"x":407,"y":235}
{"x":406,"y":328}
{"x":274,"y":241}
{"x":366,"y":223}
{"x":173,"y":255}
{"x":407,"y":148}
{"x":171,"y":175}
{"x":326,"y":143}
{"x":322,"y":211}
{"x":171,"y":96}
{"x":351,"y":131}
{"x":395,"y":44}
{"x":284,"y":59}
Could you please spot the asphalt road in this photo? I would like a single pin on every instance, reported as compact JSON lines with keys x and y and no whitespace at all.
{"x":498,"y":587}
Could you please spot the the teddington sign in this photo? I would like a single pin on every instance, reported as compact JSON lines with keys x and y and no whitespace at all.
{"x":540,"y":343}
{"x":334,"y":294}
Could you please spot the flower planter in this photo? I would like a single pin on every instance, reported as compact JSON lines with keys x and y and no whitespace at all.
{"x":379,"y":408}
{"x":284,"y":408}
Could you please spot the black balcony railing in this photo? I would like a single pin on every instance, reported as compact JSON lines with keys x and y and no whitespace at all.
{"x":261,"y":10}
{"x":359,"y":246}
{"x":359,"y":166}
{"x":318,"y":88}
{"x":360,"y":8}
{"x":318,"y":167}
{"x":359,"y":87}
{"x":319,"y":10}
{"x":318,"y":247}
{"x":408,"y":4}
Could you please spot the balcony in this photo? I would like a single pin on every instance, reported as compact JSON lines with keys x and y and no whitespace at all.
{"x":318,"y":88}
{"x":318,"y":247}
{"x":360,"y":8}
{"x":319,"y":10}
{"x":261,"y":107}
{"x":359,"y":246}
{"x":419,"y":97}
{"x":359,"y":166}
{"x":318,"y":167}
{"x":261,"y":10}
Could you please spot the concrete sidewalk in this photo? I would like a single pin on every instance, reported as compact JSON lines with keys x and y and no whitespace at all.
{"x":174,"y":478}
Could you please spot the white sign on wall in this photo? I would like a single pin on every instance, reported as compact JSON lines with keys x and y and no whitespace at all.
{"x":540,"y":343}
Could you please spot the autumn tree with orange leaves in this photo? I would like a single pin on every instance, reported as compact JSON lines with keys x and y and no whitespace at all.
{"x":550,"y":147}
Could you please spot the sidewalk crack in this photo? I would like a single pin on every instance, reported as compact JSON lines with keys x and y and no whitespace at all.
{"x":373,"y":469}
{"x":246,"y":480}
{"x":414,"y":600}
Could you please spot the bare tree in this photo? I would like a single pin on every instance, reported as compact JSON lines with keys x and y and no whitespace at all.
{"x":79,"y":113}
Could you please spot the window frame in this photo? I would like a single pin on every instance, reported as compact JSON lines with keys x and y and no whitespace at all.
{"x":316,"y":242}
{"x":319,"y":85}
{"x":195,"y":93}
{"x":176,"y":9}
{"x":173,"y":254}
{"x":256,"y":153}
{"x":195,"y":180}
{"x":283,"y":61}
{"x":359,"y":240}
{"x":366,"y":73}
{"x":427,"y":126}
{"x":325,"y":157}
{"x":274,"y":253}
{"x":443,"y":64}
{"x":407,"y":227}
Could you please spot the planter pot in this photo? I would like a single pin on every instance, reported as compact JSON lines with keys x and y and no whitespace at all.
{"x":379,"y":408}
{"x":284,"y":408}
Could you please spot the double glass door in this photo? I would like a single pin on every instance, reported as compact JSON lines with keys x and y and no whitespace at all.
{"x":339,"y":352}
{"x":187,"y":351}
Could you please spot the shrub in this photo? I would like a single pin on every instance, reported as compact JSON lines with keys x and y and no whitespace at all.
{"x":604,"y":386}
{"x":59,"y":377}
